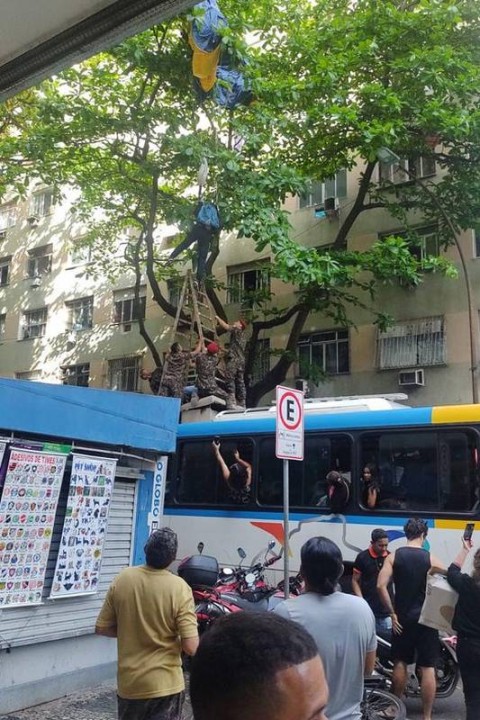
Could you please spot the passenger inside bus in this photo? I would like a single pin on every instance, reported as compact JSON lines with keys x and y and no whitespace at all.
{"x":237,"y":476}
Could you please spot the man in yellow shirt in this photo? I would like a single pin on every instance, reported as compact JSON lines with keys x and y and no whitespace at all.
{"x":151,"y":613}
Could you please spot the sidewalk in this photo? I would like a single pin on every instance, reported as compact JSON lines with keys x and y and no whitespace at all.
{"x":97,"y":703}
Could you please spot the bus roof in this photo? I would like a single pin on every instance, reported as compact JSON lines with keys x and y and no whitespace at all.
{"x":320,"y":406}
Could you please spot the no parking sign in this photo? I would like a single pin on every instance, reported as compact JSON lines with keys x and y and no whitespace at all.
{"x":289,"y":425}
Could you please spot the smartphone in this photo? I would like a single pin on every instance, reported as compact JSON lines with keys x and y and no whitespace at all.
{"x":469,"y":528}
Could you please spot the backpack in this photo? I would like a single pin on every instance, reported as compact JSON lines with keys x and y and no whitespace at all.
{"x":208,"y":215}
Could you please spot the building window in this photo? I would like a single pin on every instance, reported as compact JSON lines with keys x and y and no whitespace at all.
{"x":34,"y":375}
{"x":333,"y":187}
{"x":78,"y":375}
{"x":248,"y":285}
{"x":425,"y":241}
{"x":406,"y":170}
{"x":411,"y":344}
{"x":34,"y":323}
{"x":4,"y":270}
{"x":39,"y":261}
{"x":324,"y":352}
{"x":261,"y":363}
{"x":80,"y":254}
{"x":80,"y":313}
{"x":126,"y":310}
{"x":41,"y":203}
{"x":174,"y":288}
{"x":3,"y":319}
{"x":8,"y":216}
{"x":123,"y":374}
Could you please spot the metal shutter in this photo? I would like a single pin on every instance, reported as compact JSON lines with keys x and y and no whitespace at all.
{"x":72,"y":617}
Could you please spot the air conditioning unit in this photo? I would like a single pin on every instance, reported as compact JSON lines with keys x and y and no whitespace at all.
{"x":36,"y":281}
{"x":330,"y":204}
{"x":33,"y":220}
{"x":414,"y":378}
{"x":302,"y":384}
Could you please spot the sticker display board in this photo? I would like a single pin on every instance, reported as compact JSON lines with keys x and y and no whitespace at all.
{"x":27,"y":516}
{"x":85,"y":526}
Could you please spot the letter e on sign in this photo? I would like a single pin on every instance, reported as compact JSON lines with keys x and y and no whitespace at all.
{"x":289,"y":424}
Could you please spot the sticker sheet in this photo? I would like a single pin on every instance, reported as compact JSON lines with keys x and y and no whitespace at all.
{"x":27,"y":515}
{"x":81,"y":546}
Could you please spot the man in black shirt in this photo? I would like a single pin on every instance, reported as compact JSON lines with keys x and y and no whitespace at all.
{"x":411,"y":642}
{"x":365,"y":575}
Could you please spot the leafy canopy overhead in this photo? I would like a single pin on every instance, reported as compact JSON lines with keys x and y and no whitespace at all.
{"x":335,"y":81}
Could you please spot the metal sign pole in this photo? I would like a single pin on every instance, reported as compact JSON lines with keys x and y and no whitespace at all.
{"x":286,"y":548}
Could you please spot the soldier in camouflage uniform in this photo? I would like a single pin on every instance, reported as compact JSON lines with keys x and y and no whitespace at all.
{"x":206,"y":361}
{"x":175,"y":371}
{"x":235,"y":363}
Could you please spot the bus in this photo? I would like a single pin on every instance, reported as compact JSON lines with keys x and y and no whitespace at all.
{"x":426,"y":460}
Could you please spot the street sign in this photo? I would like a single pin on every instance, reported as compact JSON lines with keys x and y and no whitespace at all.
{"x":289,"y":425}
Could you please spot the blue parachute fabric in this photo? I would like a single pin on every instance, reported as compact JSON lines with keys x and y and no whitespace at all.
{"x":233,"y":89}
{"x":205,"y":27}
{"x":208,"y":215}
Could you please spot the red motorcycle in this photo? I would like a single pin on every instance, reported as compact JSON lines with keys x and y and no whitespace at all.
{"x":219,"y":592}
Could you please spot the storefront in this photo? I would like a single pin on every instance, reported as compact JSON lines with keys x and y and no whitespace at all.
{"x":78,"y":468}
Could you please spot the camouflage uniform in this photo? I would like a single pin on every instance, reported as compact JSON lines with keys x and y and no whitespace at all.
{"x":176,"y":364}
{"x":235,"y":368}
{"x":206,"y":366}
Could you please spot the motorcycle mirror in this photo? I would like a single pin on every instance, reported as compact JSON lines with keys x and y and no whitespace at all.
{"x":271,"y":544}
{"x":200,"y":547}
{"x":242,"y":553}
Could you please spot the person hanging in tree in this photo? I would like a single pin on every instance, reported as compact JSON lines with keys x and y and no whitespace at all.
{"x":205,"y":228}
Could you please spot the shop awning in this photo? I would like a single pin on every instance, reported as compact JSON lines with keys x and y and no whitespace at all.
{"x":101,"y":416}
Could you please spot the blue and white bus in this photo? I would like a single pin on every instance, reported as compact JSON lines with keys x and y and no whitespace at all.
{"x":427,"y":461}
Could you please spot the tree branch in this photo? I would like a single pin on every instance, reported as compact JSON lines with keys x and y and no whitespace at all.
{"x":357,"y":206}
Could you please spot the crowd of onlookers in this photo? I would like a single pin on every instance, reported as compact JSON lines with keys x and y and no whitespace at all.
{"x":305,"y":661}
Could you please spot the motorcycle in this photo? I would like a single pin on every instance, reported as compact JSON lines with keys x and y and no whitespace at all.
{"x":447,"y":671}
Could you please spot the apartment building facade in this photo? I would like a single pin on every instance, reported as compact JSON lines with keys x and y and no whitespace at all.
{"x":61,"y":323}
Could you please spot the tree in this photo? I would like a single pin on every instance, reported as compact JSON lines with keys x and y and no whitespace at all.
{"x":128,"y":131}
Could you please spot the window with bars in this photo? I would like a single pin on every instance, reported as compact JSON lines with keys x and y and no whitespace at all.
{"x":174,"y":288}
{"x":414,"y":343}
{"x":41,"y":203}
{"x":3,"y":319}
{"x":333,"y":187}
{"x":323,"y":352}
{"x":80,"y":313}
{"x":78,"y":375}
{"x":261,"y":363}
{"x":247,"y":284}
{"x":406,"y":170}
{"x":34,"y":323}
{"x":4,"y":271}
{"x":126,"y":310}
{"x":39,"y":261}
{"x":8,"y":216}
{"x":123,"y":374}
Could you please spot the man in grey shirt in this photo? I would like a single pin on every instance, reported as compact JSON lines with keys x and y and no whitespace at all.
{"x":343,"y":627}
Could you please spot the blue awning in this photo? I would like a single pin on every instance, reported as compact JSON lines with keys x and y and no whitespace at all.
{"x":128,"y":419}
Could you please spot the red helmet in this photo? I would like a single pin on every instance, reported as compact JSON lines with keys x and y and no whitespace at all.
{"x":212,"y":348}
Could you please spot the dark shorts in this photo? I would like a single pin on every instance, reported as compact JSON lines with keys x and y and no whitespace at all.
{"x":162,"y":708}
{"x":417,"y":643}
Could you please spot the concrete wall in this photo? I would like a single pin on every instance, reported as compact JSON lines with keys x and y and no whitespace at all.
{"x":34,"y":674}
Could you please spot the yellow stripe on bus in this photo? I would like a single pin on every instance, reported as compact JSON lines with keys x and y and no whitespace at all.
{"x":453,"y":524}
{"x":456,"y":414}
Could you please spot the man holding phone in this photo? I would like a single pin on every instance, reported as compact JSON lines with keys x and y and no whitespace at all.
{"x":466,"y":622}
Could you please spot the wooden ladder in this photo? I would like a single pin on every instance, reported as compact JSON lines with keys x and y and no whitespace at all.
{"x":194,"y":319}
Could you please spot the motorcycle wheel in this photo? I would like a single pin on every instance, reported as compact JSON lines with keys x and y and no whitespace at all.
{"x":448,"y":674}
{"x":382,"y":705}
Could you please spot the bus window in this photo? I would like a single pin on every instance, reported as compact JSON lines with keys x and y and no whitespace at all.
{"x":458,"y":470}
{"x":200,"y":477}
{"x":308,"y":485}
{"x":406,"y":469}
